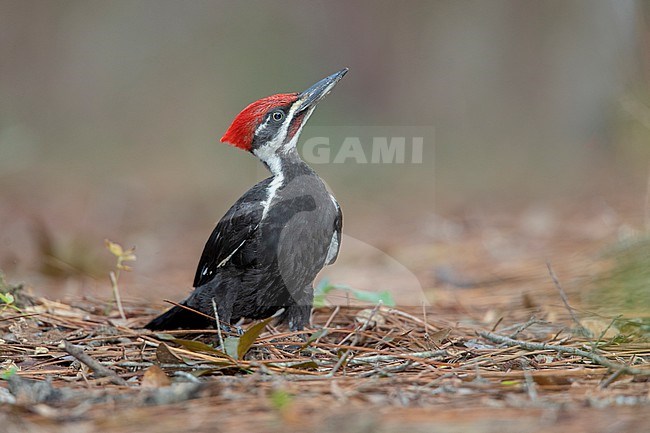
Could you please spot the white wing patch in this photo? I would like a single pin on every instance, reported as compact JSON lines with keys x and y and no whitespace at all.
{"x":333,"y":249}
{"x":224,"y":261}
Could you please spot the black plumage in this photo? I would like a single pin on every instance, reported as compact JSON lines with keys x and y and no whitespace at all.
{"x":266,"y":251}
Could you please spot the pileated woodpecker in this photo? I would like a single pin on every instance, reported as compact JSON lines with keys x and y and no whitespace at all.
{"x":267,"y":249}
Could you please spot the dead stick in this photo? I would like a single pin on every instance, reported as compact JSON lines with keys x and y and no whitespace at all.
{"x":116,"y":292}
{"x":218,"y":323}
{"x":185,"y":307}
{"x":411,"y":317}
{"x":371,"y":359}
{"x":99,"y":370}
{"x":601,"y":360}
{"x":565,"y":299}
{"x":355,"y":340}
{"x":530,"y":322}
{"x":611,"y":379}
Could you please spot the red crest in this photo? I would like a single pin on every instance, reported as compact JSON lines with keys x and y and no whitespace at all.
{"x":241,"y":131}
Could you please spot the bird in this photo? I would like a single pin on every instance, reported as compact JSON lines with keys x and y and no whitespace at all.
{"x":264,"y":254}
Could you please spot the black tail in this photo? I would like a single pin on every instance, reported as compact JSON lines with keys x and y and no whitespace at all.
{"x":178,"y":318}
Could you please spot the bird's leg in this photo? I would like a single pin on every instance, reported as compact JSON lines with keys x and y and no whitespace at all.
{"x":298,"y":314}
{"x":222,"y":325}
{"x":238,"y":329}
{"x":225,"y":328}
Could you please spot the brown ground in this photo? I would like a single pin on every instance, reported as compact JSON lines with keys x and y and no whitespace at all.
{"x":407,"y":368}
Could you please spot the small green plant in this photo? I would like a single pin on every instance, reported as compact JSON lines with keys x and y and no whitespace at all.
{"x":7,"y":299}
{"x":324,"y":288}
{"x":280,"y":399}
{"x":122,"y":256}
{"x":11,"y":370}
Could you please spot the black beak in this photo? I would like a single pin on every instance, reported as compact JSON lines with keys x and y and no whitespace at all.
{"x":315,"y":93}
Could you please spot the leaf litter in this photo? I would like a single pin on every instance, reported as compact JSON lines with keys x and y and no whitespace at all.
{"x":73,"y":363}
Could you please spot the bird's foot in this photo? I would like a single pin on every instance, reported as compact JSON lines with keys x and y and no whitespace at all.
{"x":225,"y":328}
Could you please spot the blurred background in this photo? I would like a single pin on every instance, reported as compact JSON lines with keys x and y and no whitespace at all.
{"x":111,"y":114}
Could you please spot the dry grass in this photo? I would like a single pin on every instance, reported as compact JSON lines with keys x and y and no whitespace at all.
{"x":504,"y":348}
{"x":354,"y":360}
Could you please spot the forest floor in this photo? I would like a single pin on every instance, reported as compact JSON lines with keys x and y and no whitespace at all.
{"x":508,"y":345}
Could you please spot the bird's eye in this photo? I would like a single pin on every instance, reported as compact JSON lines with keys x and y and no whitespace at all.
{"x":277,"y":116}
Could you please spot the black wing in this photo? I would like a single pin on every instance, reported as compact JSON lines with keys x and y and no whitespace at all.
{"x":335,"y":245}
{"x":230,"y":234}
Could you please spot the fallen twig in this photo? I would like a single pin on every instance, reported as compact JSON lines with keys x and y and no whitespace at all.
{"x":355,"y":340}
{"x":527,"y":345}
{"x":218,"y":324}
{"x":411,"y":317}
{"x":386,"y":371}
{"x":100,"y":371}
{"x":185,"y":307}
{"x":387,"y":358}
{"x":520,"y":328}
{"x":565,"y":300}
{"x":604,"y":384}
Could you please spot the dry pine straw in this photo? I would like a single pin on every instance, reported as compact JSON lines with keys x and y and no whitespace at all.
{"x":373,"y":355}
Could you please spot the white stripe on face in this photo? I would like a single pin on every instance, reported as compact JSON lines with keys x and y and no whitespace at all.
{"x":268,"y":152}
{"x":294,"y":140}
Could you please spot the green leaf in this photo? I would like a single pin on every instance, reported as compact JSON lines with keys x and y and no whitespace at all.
{"x":324,"y":288}
{"x":231,"y":347}
{"x":280,"y":399}
{"x":373,"y":298}
{"x":319,"y":301}
{"x":7,"y":298}
{"x":114,"y":248}
{"x":128,"y":256}
{"x":387,"y":298}
{"x":249,"y":337}
{"x":6,"y":374}
{"x":320,"y":293}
